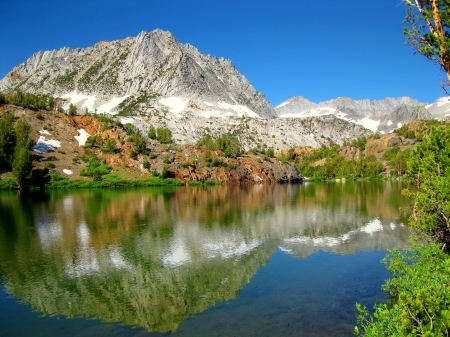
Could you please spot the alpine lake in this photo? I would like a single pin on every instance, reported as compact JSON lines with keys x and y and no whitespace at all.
{"x":260,"y":260}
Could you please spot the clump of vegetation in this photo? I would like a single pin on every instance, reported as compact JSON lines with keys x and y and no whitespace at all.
{"x":96,"y":169}
{"x":421,"y":296}
{"x":164,"y":135}
{"x":228,"y":143}
{"x":109,"y":180}
{"x":132,"y":105}
{"x":67,"y":80}
{"x":72,"y":110}
{"x":28,"y":100}
{"x":15,"y":148}
{"x":110,"y":146}
{"x":93,"y":141}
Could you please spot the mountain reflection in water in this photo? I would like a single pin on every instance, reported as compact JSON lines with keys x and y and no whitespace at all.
{"x":151,"y":258}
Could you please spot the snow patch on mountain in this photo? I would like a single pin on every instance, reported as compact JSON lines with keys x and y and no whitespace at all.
{"x":92,"y":102}
{"x":175,"y":104}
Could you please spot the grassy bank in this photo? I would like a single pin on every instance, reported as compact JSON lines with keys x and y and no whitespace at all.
{"x":56,"y":181}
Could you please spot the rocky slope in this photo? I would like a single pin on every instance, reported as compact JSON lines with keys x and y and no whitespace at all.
{"x":60,"y":146}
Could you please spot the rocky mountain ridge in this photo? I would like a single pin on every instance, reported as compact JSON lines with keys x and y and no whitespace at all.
{"x":379,"y":116}
{"x":153,"y":80}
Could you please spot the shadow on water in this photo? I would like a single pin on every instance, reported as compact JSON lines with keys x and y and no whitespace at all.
{"x":238,"y":261}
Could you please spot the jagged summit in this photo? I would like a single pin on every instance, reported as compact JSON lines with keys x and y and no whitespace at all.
{"x":153,"y":64}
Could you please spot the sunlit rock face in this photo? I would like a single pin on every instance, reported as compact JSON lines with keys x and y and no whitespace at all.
{"x":381,"y":116}
{"x":165,"y":73}
{"x":152,"y":258}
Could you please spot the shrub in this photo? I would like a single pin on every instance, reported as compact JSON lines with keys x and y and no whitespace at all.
{"x":421,"y":292}
{"x":164,"y":135}
{"x":110,"y":146}
{"x":96,"y":169}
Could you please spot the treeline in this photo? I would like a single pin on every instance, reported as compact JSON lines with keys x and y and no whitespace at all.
{"x":330,"y":163}
{"x":28,"y":100}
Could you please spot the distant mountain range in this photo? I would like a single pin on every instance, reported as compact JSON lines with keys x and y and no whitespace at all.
{"x":152,"y":79}
{"x":381,"y":116}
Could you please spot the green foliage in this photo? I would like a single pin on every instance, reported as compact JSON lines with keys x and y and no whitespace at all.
{"x":359,"y":143}
{"x":397,"y":160}
{"x":166,"y":159}
{"x":49,"y":165}
{"x":132,"y":105}
{"x":164,"y":135}
{"x":152,"y":132}
{"x":109,"y":180}
{"x":110,"y":146}
{"x":72,"y":110}
{"x":227,"y":143}
{"x":39,"y":115}
{"x":93,"y":141}
{"x":130,"y":128}
{"x":230,"y":145}
{"x":406,"y":132}
{"x":96,"y":169}
{"x":429,"y":171}
{"x":140,"y":145}
{"x":86,"y":79}
{"x":31,"y":101}
{"x":67,"y":80}
{"x":22,"y":165}
{"x":270,"y":153}
{"x":207,"y":142}
{"x":216,"y":162}
{"x":421,"y":292}
{"x":210,"y":182}
{"x":6,"y":140}
{"x":7,"y":184}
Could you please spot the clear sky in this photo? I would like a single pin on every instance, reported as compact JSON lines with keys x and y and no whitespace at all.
{"x":317,"y":49}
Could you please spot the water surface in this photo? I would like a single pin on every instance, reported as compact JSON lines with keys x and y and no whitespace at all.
{"x":264,"y":260}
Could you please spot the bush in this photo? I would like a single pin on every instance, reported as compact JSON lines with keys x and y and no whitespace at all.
{"x":96,"y":169}
{"x":8,"y":184}
{"x":110,"y":146}
{"x":421,"y":292}
{"x":164,"y":135}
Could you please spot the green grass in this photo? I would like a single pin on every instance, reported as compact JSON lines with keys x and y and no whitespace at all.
{"x":110,"y":180}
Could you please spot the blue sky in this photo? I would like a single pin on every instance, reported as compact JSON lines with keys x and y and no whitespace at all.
{"x":317,"y":49}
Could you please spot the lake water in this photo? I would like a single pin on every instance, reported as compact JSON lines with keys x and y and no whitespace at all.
{"x":263,"y":260}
